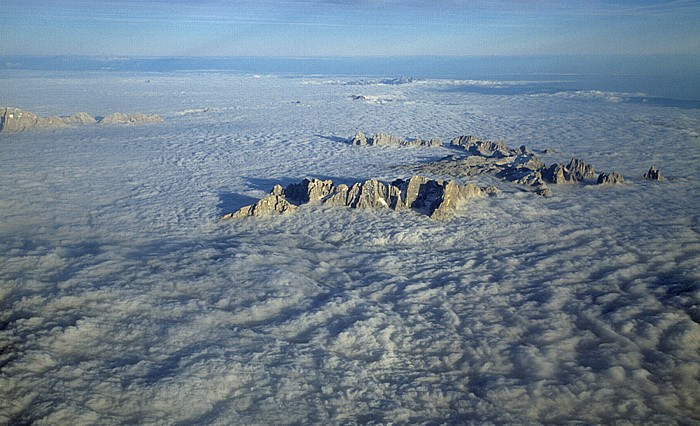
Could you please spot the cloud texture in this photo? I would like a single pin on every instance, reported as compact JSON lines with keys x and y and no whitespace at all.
{"x":125,"y":300}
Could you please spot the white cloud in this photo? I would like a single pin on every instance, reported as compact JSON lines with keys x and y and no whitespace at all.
{"x":125,"y":300}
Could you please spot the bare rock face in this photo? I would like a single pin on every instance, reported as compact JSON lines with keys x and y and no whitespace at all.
{"x":575,"y":171}
{"x":556,"y":173}
{"x":612,"y":178}
{"x":135,"y":118}
{"x":523,"y":169}
{"x":79,"y":118}
{"x":383,"y":139}
{"x":371,"y":194}
{"x":449,"y":197}
{"x":520,"y":166}
{"x":436,"y":198}
{"x":653,"y":174}
{"x":308,"y":191}
{"x":17,"y":120}
{"x":580,"y":171}
{"x":272,"y":204}
{"x":464,"y":141}
{"x":432,"y":142}
{"x":482,"y":148}
{"x":359,"y":139}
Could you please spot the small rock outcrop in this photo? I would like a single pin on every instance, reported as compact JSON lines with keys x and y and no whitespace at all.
{"x":383,"y":139}
{"x":359,"y":140}
{"x":17,"y":120}
{"x":483,"y":148}
{"x":653,"y":174}
{"x":435,"y":198}
{"x":576,"y":171}
{"x":612,"y":178}
{"x":272,"y":204}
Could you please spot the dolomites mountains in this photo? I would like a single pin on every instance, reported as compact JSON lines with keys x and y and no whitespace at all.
{"x":17,"y":120}
{"x":435,"y":197}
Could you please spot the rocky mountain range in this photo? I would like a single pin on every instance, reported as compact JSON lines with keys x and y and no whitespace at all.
{"x":435,"y":198}
{"x":17,"y":120}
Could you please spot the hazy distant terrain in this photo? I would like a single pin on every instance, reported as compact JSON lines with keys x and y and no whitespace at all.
{"x":125,"y":299}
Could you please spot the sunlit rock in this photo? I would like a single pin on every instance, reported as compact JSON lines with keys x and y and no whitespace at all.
{"x":383,"y":139}
{"x":79,"y":118}
{"x":359,"y":140}
{"x":576,"y":171}
{"x":580,"y":171}
{"x":308,"y":191}
{"x":435,"y":198}
{"x":611,"y":178}
{"x":270,"y":205}
{"x":17,"y":120}
{"x":482,"y":148}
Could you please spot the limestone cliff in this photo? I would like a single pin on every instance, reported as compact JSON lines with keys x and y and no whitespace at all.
{"x":435,"y":198}
{"x":17,"y":120}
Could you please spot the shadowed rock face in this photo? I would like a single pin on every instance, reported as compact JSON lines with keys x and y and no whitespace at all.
{"x":612,"y":178}
{"x":17,"y":120}
{"x":576,"y":171}
{"x":653,"y":174}
{"x":519,"y":166}
{"x":480,"y":147}
{"x":436,"y":198}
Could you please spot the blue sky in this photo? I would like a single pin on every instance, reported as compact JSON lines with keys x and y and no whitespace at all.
{"x":348,"y":27}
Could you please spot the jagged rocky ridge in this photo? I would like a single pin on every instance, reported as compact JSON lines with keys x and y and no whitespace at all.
{"x":383,"y":139}
{"x":17,"y":120}
{"x":436,"y":198}
{"x":385,"y":81}
{"x":520,"y":165}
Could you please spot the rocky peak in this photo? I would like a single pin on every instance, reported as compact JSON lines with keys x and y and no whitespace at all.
{"x":612,"y":178}
{"x":436,"y":198}
{"x":482,"y":148}
{"x":653,"y":174}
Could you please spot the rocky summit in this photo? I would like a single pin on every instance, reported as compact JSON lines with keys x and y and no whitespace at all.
{"x":435,"y":198}
{"x":383,"y":139}
{"x":653,"y":174}
{"x":612,"y":178}
{"x":520,"y":166}
{"x":483,"y":148}
{"x":17,"y":120}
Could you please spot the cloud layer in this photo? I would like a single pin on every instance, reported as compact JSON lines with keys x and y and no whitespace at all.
{"x":125,"y":300}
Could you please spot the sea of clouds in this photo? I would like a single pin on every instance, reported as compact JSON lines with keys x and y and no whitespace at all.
{"x":125,"y":299}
